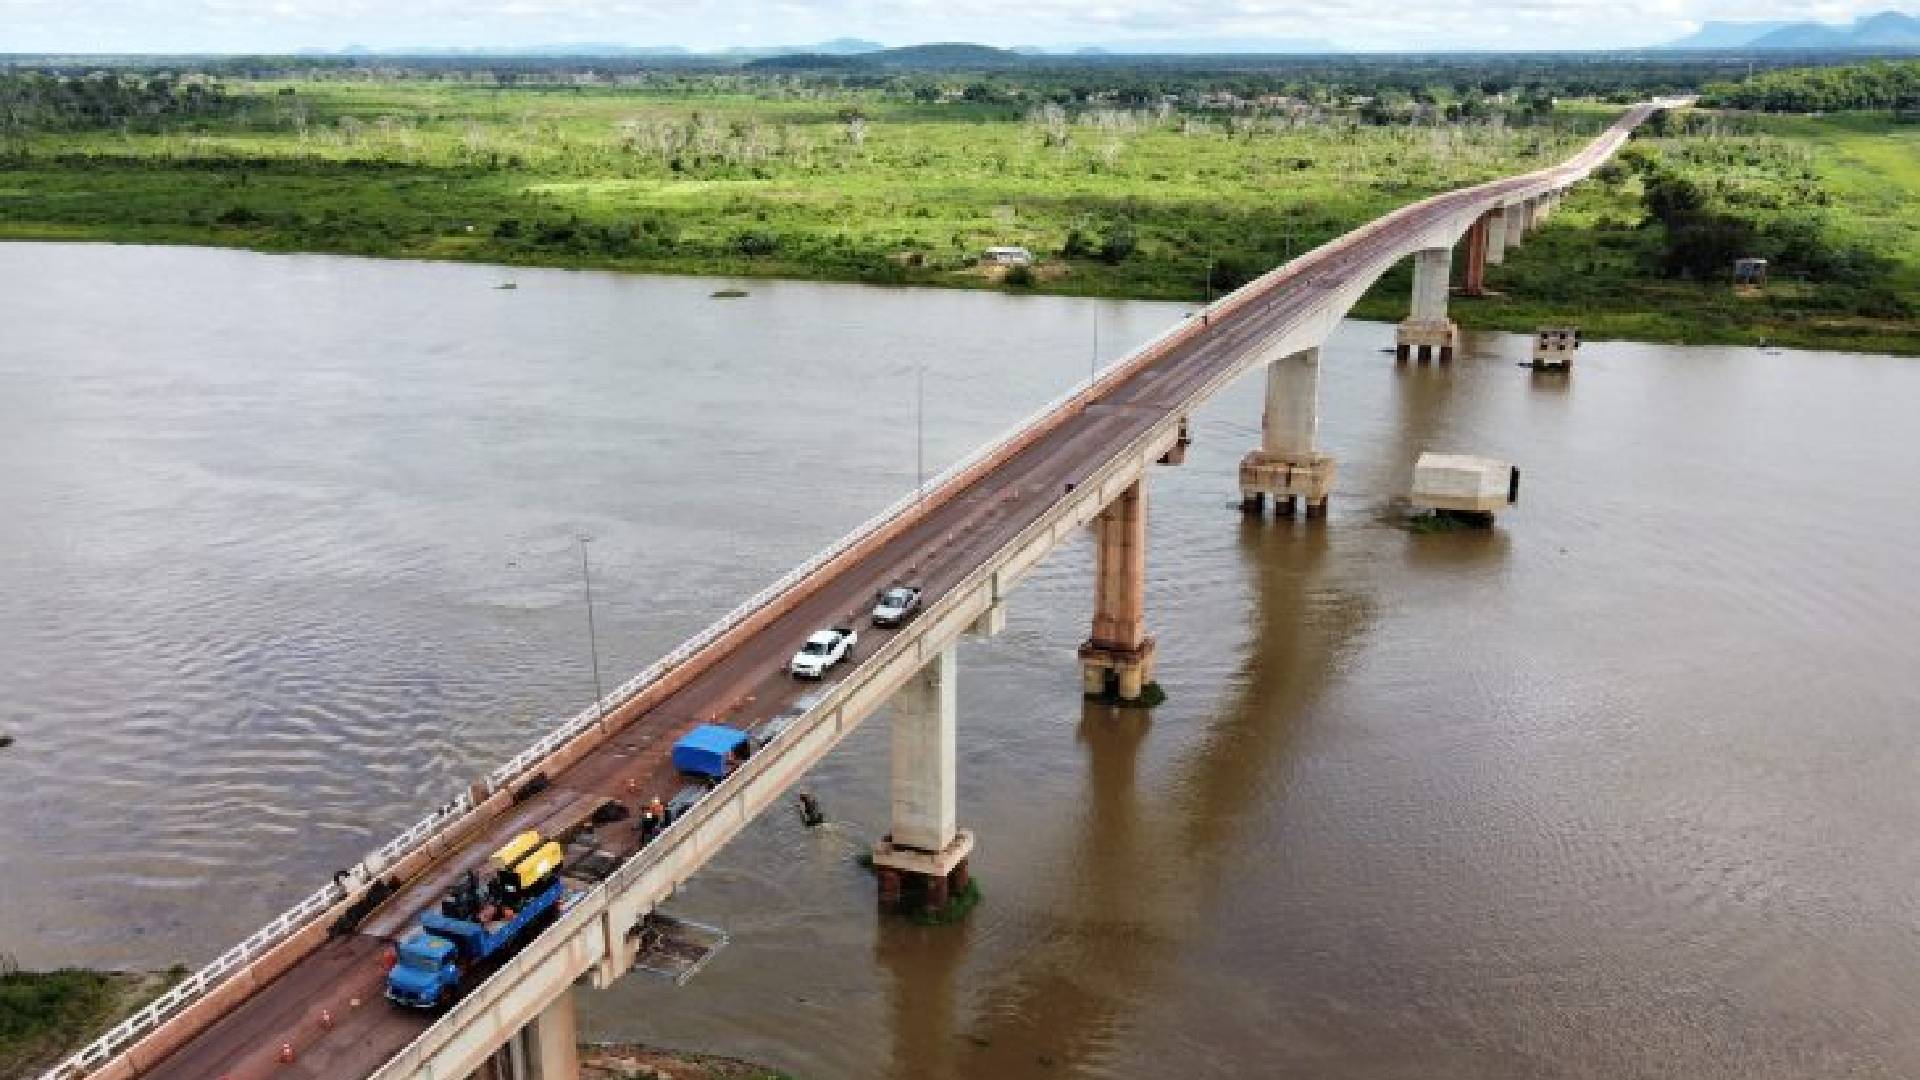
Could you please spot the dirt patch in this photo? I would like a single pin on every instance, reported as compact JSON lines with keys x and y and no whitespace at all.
{"x":627,"y":1061}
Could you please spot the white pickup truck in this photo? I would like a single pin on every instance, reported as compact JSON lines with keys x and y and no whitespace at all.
{"x":823,"y":650}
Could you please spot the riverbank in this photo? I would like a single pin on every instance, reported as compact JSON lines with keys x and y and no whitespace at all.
{"x":857,"y":186}
{"x":45,"y":1015}
{"x":1834,"y":201}
{"x":631,"y":1061}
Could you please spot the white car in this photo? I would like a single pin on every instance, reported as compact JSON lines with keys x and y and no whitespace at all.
{"x":894,"y":606}
{"x":823,"y":650}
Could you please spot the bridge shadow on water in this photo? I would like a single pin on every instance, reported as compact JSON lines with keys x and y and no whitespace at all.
{"x":1155,"y":855}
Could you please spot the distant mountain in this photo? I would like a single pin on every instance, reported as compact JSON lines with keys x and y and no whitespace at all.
{"x":1726,"y":35}
{"x":1889,"y":31}
{"x":846,"y":46}
{"x":946,"y":55}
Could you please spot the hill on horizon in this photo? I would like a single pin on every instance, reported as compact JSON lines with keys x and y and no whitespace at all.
{"x":1888,"y":30}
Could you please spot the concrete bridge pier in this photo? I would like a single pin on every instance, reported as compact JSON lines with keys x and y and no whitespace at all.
{"x":922,"y":861}
{"x":1119,"y":654}
{"x":548,"y":1048}
{"x":1519,"y":217}
{"x":1496,"y":236}
{"x":1475,"y":283}
{"x":1286,"y":468}
{"x":1427,"y":332}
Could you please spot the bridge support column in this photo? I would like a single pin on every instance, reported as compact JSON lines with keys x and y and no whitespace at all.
{"x":548,"y":1048}
{"x":1475,"y":283}
{"x":1517,"y":216}
{"x":1119,"y":654}
{"x":1427,"y":332}
{"x":1286,"y":468}
{"x":922,"y":861}
{"x":1496,"y":237}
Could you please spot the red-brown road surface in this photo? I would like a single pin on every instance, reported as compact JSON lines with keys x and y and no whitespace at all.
{"x":344,"y":977}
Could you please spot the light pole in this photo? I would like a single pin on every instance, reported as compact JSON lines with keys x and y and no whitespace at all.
{"x":1093,"y":358}
{"x":593,"y":641}
{"x":920,"y":431}
{"x":1209,"y":282}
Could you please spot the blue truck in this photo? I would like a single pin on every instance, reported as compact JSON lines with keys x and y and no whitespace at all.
{"x":480,"y":918}
{"x":711,"y":751}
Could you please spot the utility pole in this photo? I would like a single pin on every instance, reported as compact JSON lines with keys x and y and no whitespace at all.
{"x":1209,"y":281}
{"x":593,"y":641}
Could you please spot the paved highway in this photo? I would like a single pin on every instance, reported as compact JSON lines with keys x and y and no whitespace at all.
{"x":748,"y":683}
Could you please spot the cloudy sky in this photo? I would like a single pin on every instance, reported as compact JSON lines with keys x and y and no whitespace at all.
{"x":284,"y":25}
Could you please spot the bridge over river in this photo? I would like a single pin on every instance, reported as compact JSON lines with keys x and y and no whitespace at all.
{"x":302,"y":996}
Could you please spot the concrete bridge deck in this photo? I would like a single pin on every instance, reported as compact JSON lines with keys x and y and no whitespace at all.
{"x":317,"y":999}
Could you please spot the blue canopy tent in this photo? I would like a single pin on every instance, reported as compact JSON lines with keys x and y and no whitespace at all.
{"x":704,"y":750}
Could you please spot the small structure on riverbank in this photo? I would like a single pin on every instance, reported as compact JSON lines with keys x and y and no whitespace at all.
{"x":1750,"y":272}
{"x":1463,"y":486}
{"x":1007,"y":255}
{"x":1554,"y":346}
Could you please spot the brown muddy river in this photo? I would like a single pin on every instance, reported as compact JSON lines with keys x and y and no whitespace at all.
{"x":1627,"y":787}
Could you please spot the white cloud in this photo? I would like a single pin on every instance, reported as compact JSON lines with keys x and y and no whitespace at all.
{"x":264,"y":25}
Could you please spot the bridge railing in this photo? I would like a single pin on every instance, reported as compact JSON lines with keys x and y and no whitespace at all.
{"x":135,"y":1027}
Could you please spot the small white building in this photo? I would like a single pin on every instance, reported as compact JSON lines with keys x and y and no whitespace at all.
{"x":1007,"y":256}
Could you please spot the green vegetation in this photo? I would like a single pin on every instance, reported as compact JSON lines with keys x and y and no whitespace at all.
{"x":1887,"y":85}
{"x":829,"y":183}
{"x":47,"y":1014}
{"x":953,"y":910}
{"x":1646,"y":252}
{"x":1141,"y":181}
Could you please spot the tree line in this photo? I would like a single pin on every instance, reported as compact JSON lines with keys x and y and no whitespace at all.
{"x":1883,"y":85}
{"x":32,"y":101}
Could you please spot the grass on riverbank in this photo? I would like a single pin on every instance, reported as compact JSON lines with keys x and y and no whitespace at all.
{"x":862,"y":187}
{"x":45,"y":1015}
{"x":1854,"y":180}
{"x":846,"y":187}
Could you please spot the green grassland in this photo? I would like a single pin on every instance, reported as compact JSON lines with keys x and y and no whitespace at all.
{"x":1846,"y":186}
{"x":855,"y":185}
{"x":47,"y":1014}
{"x":846,"y":187}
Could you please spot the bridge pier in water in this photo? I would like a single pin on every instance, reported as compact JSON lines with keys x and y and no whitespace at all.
{"x":548,"y":1048}
{"x":922,"y":861}
{"x":1286,"y":468}
{"x":1427,"y":333}
{"x":1118,"y":655}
